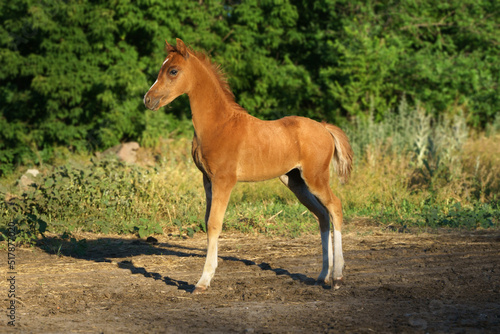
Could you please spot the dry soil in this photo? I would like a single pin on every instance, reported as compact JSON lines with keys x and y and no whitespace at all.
{"x":438,"y":282}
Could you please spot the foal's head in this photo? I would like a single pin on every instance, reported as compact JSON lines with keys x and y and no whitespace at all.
{"x":173,"y":77}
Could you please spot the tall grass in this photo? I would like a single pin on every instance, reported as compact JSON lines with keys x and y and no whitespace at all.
{"x":414,"y":169}
{"x":410,"y":170}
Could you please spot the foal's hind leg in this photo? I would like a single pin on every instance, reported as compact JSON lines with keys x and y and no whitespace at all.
{"x":296,"y":184}
{"x":317,"y":182}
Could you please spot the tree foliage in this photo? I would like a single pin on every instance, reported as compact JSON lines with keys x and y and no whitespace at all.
{"x":74,"y":72}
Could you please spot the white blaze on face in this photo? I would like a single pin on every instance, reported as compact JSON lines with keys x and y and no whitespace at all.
{"x":153,"y":84}
{"x":166,"y":60}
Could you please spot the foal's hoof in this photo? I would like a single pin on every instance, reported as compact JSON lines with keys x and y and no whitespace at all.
{"x":322,"y":282}
{"x":199,"y":290}
{"x":338,"y":282}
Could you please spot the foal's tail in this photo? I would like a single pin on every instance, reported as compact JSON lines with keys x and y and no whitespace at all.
{"x":343,"y":154}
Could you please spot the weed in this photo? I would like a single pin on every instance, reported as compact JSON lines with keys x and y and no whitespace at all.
{"x":455,"y":215}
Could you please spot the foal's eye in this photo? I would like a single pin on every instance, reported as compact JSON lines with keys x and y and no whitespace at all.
{"x":173,"y":72}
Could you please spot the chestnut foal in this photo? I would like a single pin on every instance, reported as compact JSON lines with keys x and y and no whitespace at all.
{"x":229,"y":145}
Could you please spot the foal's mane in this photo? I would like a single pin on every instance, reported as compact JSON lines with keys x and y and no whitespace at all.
{"x":215,"y":69}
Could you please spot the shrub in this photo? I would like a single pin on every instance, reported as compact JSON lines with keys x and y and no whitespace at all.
{"x":75,"y":72}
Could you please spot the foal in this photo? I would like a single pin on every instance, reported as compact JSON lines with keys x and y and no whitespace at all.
{"x":229,"y":145}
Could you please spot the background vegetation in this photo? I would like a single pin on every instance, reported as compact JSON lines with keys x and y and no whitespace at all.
{"x":74,"y":72}
{"x":412,"y":173}
{"x":415,"y":83}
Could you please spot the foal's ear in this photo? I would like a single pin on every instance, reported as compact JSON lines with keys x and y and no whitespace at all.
{"x":169,"y":47}
{"x":182,"y":48}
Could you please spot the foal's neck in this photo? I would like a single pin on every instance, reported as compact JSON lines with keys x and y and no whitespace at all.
{"x":210,"y":105}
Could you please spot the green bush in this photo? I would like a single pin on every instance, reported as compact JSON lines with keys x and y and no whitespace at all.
{"x":74,"y":72}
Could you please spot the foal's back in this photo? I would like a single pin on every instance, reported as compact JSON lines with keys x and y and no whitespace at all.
{"x":268,"y":149}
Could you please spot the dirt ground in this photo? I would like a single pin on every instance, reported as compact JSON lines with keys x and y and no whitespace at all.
{"x":444,"y":281}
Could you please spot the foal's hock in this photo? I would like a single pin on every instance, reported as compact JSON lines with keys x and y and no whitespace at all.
{"x":229,"y":145}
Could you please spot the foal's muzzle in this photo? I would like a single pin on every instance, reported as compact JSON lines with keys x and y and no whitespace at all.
{"x":151,"y":103}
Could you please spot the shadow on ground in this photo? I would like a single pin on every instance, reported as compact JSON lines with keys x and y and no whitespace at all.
{"x":117,"y":250}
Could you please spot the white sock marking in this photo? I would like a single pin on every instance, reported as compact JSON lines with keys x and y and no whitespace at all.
{"x":339,"y":257}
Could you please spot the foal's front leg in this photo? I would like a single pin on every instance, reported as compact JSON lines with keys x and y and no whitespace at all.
{"x":219,"y":191}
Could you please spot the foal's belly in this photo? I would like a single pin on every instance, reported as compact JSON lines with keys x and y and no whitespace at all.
{"x":262,"y":175}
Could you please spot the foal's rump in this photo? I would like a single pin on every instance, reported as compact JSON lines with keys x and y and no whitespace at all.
{"x":341,"y":154}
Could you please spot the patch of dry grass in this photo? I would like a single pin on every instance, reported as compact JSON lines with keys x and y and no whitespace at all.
{"x":481,"y":167}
